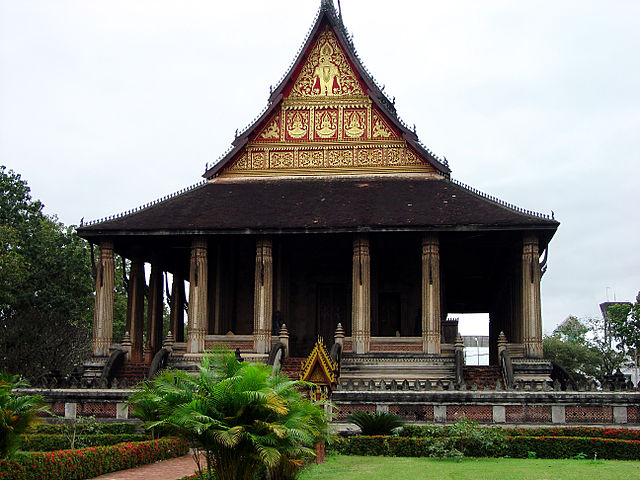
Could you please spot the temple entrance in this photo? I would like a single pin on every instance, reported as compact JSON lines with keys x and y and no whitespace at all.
{"x":389,"y":314}
{"x":331,"y":309}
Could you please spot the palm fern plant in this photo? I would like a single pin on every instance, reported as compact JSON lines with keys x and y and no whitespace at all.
{"x":245,"y":419}
{"x":17,"y":413}
{"x":375,"y":423}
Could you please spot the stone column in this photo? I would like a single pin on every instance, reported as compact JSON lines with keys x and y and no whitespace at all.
{"x":155,"y":309}
{"x":361,"y":295}
{"x":103,"y":313}
{"x":196,"y":329}
{"x":176,"y":324}
{"x":135,"y":309}
{"x":431,"y":294}
{"x":263,"y":296}
{"x":531,"y":311}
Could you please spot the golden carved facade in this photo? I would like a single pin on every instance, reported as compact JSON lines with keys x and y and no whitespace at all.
{"x":325,"y":125}
{"x":327,"y":72}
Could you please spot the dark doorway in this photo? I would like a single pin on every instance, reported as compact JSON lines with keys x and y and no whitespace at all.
{"x":389,"y":314}
{"x":331,"y":309}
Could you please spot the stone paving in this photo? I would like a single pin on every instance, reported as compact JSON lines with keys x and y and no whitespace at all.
{"x":165,"y":470}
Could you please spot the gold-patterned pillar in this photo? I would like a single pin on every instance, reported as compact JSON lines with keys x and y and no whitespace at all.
{"x":431,"y":314}
{"x":103,"y":313}
{"x":155,"y":309}
{"x":263,"y":296}
{"x":176,"y":324}
{"x":361,"y":295}
{"x":531,"y":311}
{"x":196,"y":329}
{"x":135,"y":309}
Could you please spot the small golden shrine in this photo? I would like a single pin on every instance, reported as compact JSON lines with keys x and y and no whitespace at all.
{"x":320,"y":370}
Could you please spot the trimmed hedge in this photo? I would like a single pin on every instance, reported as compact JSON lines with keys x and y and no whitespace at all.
{"x":90,"y":462}
{"x":39,"y":442}
{"x":518,"y":446}
{"x":415,"y":446}
{"x":567,"y":447}
{"x":585,"y":432}
{"x":87,"y":428}
{"x":434,"y":431}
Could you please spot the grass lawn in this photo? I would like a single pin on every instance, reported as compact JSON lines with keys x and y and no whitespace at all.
{"x":341,"y":467}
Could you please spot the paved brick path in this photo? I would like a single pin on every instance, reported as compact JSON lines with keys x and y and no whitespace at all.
{"x":164,"y":470}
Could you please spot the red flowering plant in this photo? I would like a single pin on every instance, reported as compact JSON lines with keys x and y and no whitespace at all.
{"x":90,"y":462}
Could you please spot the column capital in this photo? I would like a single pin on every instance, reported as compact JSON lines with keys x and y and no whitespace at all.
{"x":199,"y":243}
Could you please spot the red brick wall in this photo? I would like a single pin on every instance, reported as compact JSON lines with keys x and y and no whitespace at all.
{"x":413,"y":412}
{"x":477,"y":413}
{"x":580,"y":414}
{"x":242,"y":345}
{"x":343,"y":411}
{"x":633,"y":414}
{"x":528,"y":414}
{"x":98,"y":410}
{"x":396,"y":347}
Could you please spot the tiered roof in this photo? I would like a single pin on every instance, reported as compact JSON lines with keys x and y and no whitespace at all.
{"x":328,"y":154}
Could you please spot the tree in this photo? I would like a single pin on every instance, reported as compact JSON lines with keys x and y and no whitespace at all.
{"x":625,"y":327}
{"x":580,"y":348}
{"x":245,"y":419}
{"x":46,"y":287}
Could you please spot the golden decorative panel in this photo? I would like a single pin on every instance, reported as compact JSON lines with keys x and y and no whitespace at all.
{"x":309,"y":159}
{"x":354,"y":123}
{"x":297,"y":125}
{"x":327,"y":72}
{"x":380,"y":129}
{"x":271,"y":131}
{"x":326,"y":124}
{"x":281,"y":159}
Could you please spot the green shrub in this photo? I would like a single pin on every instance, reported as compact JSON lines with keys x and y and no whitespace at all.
{"x":17,"y":413}
{"x":90,"y":462}
{"x":585,"y":432}
{"x":433,"y":431}
{"x":375,"y":423}
{"x":571,"y":447}
{"x":39,"y":442}
{"x":246,"y":419}
{"x":519,"y":447}
{"x":85,"y":428}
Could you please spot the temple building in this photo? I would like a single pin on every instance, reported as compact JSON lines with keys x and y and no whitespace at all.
{"x":327,"y":218}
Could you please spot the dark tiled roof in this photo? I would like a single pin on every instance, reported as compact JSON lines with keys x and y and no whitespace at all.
{"x":322,"y":204}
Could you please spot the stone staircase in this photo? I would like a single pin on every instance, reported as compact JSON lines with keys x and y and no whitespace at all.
{"x":482,"y":375}
{"x":133,"y":373}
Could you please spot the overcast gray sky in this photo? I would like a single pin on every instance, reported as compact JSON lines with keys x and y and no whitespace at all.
{"x":105,"y":105}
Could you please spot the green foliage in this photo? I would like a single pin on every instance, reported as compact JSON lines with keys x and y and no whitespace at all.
{"x":579,"y":347}
{"x":245,"y":419}
{"x":375,"y":423}
{"x":516,"y":447}
{"x":625,"y":326}
{"x":583,"y":432}
{"x":17,"y":413}
{"x":84,"y":428}
{"x":570,"y":447}
{"x":40,"y":442}
{"x":46,"y":287}
{"x":90,"y":462}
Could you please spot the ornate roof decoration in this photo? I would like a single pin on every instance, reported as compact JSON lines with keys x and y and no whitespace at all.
{"x":327,"y":116}
{"x":318,"y":368}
